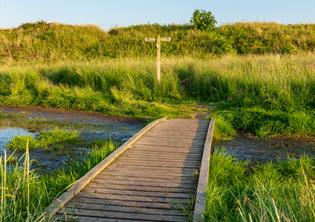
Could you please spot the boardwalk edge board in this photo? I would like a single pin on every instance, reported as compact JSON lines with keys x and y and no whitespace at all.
{"x":80,"y":184}
{"x":200,"y":201}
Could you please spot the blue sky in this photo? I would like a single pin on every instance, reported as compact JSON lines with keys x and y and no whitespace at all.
{"x":111,"y":13}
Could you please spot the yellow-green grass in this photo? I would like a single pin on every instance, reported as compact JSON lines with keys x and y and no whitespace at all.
{"x":280,"y":88}
{"x":279,"y":191}
{"x":25,"y":193}
{"x":56,"y":138}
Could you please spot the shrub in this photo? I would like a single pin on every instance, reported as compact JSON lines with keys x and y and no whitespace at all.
{"x":56,"y":42}
{"x":203,"y":20}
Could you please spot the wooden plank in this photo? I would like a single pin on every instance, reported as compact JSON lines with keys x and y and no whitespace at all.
{"x":152,"y":180}
{"x":185,"y":122}
{"x":64,"y":198}
{"x":143,"y":183}
{"x":150,"y":175}
{"x":173,"y":157}
{"x":121,"y":215}
{"x":184,"y":128}
{"x":200,"y":201}
{"x":143,"y":188}
{"x":168,"y":163}
{"x":179,"y":136}
{"x":126,"y":209}
{"x":153,"y":159}
{"x":183,"y":125}
{"x":176,"y":138}
{"x":156,"y":172}
{"x":151,"y":205}
{"x":178,"y":133}
{"x":136,"y":193}
{"x":196,"y":142}
{"x":157,"y":155}
{"x":153,"y":169}
{"x":167,"y":146}
{"x":161,"y":149}
{"x":109,"y":197}
{"x":158,"y":165}
{"x":172,"y":142}
{"x":62,"y":217}
{"x":171,"y":153}
{"x":105,"y":176}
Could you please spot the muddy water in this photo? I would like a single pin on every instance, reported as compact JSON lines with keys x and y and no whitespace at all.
{"x":250,"y":148}
{"x":91,"y":126}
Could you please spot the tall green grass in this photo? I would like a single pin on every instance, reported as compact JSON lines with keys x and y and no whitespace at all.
{"x":280,"y":191}
{"x":278,"y":89}
{"x":25,"y":194}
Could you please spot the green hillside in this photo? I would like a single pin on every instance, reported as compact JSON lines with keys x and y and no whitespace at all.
{"x":50,"y":41}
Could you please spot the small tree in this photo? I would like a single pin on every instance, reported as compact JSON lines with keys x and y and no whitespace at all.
{"x":203,"y":20}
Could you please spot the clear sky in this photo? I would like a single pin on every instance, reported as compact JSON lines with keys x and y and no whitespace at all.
{"x":111,"y":13}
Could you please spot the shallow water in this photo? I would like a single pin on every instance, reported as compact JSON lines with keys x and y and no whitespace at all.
{"x":8,"y":133}
{"x":250,"y":148}
{"x":14,"y":122}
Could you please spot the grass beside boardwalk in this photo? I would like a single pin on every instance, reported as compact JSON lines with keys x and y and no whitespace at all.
{"x":280,"y":191}
{"x":24,"y":196}
{"x":278,"y":91}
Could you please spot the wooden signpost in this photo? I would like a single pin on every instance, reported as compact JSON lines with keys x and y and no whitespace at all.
{"x":158,"y":41}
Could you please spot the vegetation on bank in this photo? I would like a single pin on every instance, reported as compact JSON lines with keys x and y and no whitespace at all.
{"x":263,"y":95}
{"x":53,"y":139}
{"x":52,"y":42}
{"x":25,"y":194}
{"x":279,"y":191}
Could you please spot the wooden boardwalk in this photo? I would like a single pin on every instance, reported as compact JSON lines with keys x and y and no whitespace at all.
{"x":152,"y":177}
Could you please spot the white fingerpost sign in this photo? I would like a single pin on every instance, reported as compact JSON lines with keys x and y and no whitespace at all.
{"x":158,"y":41}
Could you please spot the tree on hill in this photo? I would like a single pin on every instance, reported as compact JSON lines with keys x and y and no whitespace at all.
{"x":203,"y":20}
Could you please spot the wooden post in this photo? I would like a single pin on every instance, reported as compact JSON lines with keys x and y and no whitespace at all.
{"x":158,"y":41}
{"x":158,"y":59}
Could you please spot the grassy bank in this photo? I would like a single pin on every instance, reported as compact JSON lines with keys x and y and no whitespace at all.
{"x":281,"y":191}
{"x":25,"y":194}
{"x":264,"y":95}
{"x":53,"y":139}
{"x":51,"y":42}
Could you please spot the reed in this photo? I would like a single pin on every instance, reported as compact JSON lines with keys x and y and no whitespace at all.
{"x":25,"y":193}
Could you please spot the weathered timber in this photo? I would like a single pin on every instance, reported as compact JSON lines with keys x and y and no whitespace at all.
{"x":154,"y":176}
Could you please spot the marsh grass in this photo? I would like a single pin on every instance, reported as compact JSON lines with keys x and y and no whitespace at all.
{"x":278,"y":191}
{"x":277,"y":91}
{"x":53,"y":139}
{"x":25,"y":193}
